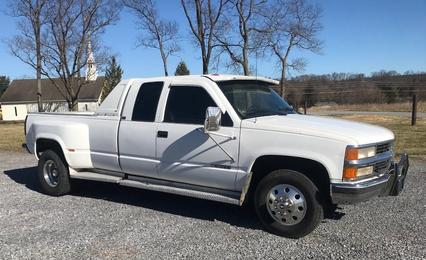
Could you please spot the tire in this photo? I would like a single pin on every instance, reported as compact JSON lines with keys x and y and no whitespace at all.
{"x":296,"y":210}
{"x":53,"y":174}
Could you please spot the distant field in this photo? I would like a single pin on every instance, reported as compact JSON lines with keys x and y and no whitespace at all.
{"x":395,"y":107}
{"x":408,"y":138}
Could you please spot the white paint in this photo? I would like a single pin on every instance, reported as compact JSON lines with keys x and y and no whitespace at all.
{"x":14,"y":112}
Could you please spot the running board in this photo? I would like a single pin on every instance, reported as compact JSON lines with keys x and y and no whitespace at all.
{"x":84,"y":175}
{"x":180,"y":191}
{"x":159,"y":185}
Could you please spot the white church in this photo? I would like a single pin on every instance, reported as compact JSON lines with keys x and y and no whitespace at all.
{"x":21,"y":96}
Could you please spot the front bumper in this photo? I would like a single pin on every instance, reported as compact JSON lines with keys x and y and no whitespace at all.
{"x":388,"y":184}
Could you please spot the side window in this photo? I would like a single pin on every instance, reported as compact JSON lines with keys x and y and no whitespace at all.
{"x":147,"y":101}
{"x":188,"y":104}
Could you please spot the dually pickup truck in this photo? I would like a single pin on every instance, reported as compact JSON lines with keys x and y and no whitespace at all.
{"x":225,"y":138}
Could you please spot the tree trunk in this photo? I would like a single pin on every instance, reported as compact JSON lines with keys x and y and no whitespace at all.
{"x":205,"y":65}
{"x":201,"y":36}
{"x":245,"y":64}
{"x":166,"y":73}
{"x":72,"y":105}
{"x":245,"y":52}
{"x":282,"y":85}
{"x":37,"y":30}
{"x":164,"y":59}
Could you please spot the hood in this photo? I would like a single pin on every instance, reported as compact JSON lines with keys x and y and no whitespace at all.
{"x":353,"y":133}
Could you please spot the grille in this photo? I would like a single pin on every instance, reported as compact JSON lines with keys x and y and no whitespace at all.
{"x":382,"y":148}
{"x":381,"y":167}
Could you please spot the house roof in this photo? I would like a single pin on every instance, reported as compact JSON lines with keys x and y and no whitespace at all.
{"x":25,"y":91}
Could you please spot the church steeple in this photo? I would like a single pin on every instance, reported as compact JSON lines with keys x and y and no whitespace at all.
{"x":91,"y":72}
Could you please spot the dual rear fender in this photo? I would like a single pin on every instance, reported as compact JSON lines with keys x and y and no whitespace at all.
{"x":43,"y":144}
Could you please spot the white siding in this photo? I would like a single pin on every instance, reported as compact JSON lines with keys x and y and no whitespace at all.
{"x":14,"y":112}
{"x":49,"y":107}
{"x":87,"y":106}
{"x":10,"y":114}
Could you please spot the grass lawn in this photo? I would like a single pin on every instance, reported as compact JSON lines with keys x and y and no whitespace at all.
{"x":11,"y":136}
{"x":411,"y":139}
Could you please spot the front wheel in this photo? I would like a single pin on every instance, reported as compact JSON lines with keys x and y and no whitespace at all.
{"x":53,"y":174}
{"x":286,"y":203}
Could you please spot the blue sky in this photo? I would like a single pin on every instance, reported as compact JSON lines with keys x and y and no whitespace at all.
{"x":360,"y":36}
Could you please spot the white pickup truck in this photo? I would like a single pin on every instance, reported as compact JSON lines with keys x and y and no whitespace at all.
{"x":224,"y":138}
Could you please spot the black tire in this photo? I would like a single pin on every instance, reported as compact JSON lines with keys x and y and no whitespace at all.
{"x":56,"y":183}
{"x":313,"y":213}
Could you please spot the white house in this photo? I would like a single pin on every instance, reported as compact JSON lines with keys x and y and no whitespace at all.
{"x":21,"y":96}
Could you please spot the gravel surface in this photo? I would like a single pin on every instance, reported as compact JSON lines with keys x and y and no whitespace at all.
{"x":100,"y":220}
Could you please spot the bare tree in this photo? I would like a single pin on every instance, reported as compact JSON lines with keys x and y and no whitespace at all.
{"x":27,"y":45}
{"x":203,"y":23}
{"x":72,"y":24}
{"x":156,"y":33}
{"x":243,"y":41}
{"x":293,"y":24}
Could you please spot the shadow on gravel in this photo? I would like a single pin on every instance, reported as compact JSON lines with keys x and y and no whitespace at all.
{"x":168,"y":203}
{"x":25,"y":176}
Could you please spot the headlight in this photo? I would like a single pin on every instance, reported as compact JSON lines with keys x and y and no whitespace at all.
{"x":352,"y":173}
{"x":353,"y":154}
{"x":360,"y":153}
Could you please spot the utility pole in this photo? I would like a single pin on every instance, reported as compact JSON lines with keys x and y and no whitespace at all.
{"x":414,"y":110}
{"x":305,"y":105}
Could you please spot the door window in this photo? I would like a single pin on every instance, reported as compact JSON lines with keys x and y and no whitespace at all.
{"x":147,"y":101}
{"x":188,"y":104}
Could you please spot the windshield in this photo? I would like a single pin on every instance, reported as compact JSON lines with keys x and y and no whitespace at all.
{"x":254,"y":98}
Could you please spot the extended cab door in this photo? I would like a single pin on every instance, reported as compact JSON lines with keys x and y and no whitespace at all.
{"x":186,"y":153}
{"x":138,"y":129}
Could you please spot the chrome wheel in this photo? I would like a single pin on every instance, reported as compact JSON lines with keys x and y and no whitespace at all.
{"x":51,"y":173}
{"x":286,"y":204}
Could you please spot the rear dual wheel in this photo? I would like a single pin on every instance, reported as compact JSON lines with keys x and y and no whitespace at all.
{"x":53,"y":174}
{"x":287,"y":204}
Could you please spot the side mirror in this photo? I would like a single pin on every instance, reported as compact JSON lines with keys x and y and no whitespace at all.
{"x":213,"y":118}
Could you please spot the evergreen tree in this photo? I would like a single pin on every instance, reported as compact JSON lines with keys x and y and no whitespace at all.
{"x":4,"y":84}
{"x":113,"y":75}
{"x":181,"y":69}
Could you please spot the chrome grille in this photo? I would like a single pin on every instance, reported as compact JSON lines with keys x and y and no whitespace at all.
{"x":382,"y":148}
{"x":381,"y":167}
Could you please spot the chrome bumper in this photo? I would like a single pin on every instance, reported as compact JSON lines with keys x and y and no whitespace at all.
{"x":388,"y":184}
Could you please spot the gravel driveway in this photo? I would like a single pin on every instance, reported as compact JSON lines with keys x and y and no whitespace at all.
{"x":100,"y":220}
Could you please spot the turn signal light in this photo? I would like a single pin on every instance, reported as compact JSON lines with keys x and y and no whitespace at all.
{"x":349,"y":173}
{"x":351,"y":154}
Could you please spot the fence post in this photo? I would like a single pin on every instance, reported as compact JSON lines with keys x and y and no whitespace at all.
{"x":305,"y":105}
{"x":414,"y":111}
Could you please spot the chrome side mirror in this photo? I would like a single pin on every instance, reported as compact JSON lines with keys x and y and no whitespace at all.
{"x":213,"y":118}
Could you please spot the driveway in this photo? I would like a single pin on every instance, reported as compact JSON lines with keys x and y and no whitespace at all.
{"x":100,"y":220}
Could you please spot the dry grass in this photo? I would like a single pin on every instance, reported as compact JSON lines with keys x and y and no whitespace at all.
{"x":11,"y":136}
{"x":410,"y":139}
{"x":395,"y":107}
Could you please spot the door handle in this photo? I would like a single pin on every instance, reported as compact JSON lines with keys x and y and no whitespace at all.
{"x":162,"y":134}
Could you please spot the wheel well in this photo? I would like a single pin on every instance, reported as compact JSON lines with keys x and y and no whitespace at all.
{"x":314,"y":170}
{"x":49,"y":144}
